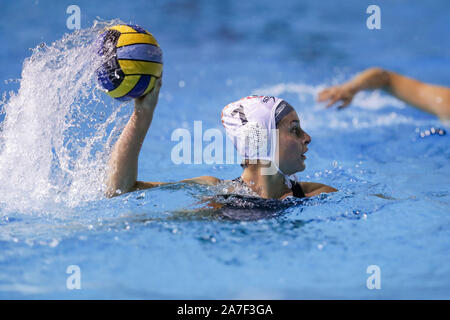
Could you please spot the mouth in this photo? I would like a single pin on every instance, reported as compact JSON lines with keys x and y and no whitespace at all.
{"x":302,"y":156}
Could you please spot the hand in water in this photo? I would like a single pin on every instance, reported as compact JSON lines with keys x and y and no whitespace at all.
{"x":344,"y":93}
{"x":150,"y":100}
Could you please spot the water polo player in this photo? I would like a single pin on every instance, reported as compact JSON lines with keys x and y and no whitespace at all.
{"x":265,"y":130}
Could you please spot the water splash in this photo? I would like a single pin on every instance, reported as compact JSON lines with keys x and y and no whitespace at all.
{"x":57,"y":130}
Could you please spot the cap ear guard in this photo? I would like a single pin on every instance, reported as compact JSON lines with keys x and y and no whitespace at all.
{"x":254,"y":139}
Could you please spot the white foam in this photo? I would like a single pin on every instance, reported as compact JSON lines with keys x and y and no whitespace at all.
{"x":375,"y":100}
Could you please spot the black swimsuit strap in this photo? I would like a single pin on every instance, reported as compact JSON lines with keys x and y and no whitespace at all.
{"x":296,"y":189}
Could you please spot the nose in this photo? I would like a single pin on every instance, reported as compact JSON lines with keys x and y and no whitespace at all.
{"x":307,"y":138}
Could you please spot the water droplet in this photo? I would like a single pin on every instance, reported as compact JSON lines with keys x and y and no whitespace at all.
{"x":53,"y":243}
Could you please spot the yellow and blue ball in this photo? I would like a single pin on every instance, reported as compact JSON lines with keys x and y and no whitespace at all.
{"x":132,"y":61}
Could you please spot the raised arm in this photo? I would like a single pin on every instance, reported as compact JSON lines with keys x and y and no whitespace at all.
{"x":123,"y":164}
{"x":427,"y":97}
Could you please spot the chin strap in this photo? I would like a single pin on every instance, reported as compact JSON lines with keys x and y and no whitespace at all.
{"x":287,"y":179}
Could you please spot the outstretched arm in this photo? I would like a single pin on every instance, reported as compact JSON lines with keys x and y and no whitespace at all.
{"x":427,"y":97}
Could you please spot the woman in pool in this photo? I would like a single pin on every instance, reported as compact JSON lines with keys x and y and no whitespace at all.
{"x":427,"y":97}
{"x":263,"y":174}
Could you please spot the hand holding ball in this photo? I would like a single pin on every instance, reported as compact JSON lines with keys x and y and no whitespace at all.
{"x":132,"y":61}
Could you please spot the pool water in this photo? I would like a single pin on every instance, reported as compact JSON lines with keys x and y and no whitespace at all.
{"x":57,"y":128}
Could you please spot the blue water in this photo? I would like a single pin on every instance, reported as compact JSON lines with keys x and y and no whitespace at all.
{"x":392,"y":208}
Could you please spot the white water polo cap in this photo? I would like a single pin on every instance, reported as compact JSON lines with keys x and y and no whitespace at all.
{"x":251,"y":124}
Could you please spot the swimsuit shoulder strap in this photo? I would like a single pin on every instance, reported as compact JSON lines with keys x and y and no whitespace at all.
{"x":297,"y":190}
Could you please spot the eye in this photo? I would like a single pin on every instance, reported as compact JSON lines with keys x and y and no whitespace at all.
{"x":295,"y":130}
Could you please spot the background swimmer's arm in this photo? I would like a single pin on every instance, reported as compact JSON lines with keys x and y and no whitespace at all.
{"x":430,"y":98}
{"x":123,"y":164}
{"x":311,"y":189}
